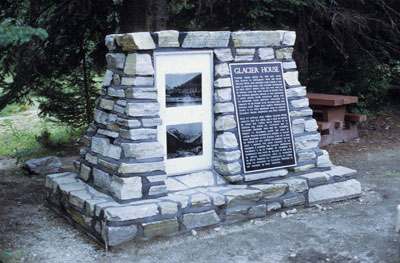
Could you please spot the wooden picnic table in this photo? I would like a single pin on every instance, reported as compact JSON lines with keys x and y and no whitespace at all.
{"x":334,"y":123}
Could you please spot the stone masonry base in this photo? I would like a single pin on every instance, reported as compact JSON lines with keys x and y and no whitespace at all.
{"x":194,"y":201}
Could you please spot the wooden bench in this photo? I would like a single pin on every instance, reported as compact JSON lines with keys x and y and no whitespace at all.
{"x":334,"y":123}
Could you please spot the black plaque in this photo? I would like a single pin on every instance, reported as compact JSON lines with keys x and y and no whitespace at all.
{"x":262,"y":111}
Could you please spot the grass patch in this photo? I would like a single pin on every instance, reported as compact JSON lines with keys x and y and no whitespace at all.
{"x":393,"y":175}
{"x":43,"y":138}
{"x":13,"y":109}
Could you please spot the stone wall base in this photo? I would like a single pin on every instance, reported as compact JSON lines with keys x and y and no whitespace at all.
{"x":195,"y":201}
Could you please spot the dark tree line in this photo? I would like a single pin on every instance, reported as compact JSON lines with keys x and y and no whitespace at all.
{"x":349,"y":47}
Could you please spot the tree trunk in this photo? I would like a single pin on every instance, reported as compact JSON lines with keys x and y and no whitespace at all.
{"x":143,"y":15}
{"x":301,"y":46}
{"x":86,"y":86}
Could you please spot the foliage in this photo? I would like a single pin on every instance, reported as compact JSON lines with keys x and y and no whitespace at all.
{"x":22,"y":34}
{"x":12,"y":109}
{"x":11,"y":257}
{"x":39,"y":140}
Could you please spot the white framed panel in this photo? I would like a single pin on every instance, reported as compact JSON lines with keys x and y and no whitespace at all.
{"x":184,"y":82}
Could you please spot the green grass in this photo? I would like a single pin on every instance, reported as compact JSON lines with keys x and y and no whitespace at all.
{"x":392,"y":175}
{"x":13,"y":109}
{"x":44,"y":138}
{"x":11,"y":257}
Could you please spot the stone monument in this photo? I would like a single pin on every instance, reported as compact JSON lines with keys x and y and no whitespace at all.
{"x":195,"y":130}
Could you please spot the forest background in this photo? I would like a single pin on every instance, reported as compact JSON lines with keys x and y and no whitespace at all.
{"x":52,"y":52}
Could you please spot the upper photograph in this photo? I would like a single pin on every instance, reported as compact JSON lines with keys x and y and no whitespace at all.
{"x":183,"y":89}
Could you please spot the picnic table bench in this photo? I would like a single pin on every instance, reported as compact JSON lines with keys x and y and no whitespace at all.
{"x":334,"y":123}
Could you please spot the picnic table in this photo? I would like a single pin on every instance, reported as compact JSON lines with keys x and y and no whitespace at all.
{"x":334,"y":123}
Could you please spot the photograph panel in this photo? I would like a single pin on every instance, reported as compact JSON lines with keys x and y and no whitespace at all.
{"x":183,"y":89}
{"x":184,"y":140}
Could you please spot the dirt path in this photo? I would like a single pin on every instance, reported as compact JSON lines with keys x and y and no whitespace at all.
{"x":355,"y":231}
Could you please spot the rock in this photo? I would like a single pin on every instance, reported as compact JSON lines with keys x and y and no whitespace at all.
{"x":126,"y":188}
{"x":397,"y":225}
{"x":157,"y":190}
{"x":271,"y":190}
{"x":196,"y":220}
{"x":135,"y":41}
{"x":110,"y":42}
{"x":296,"y":92}
{"x":289,"y":38}
{"x":160,"y":228}
{"x":303,"y":168}
{"x":103,"y":147}
{"x":205,"y":178}
{"x":43,"y":166}
{"x":222,"y":95}
{"x":334,"y":192}
{"x":226,"y":107}
{"x":115,"y":60}
{"x":258,"y":211}
{"x":341,"y":172}
{"x":141,"y":93}
{"x":264,"y":175}
{"x":168,"y":38}
{"x":316,"y":178}
{"x":311,"y":125}
{"x":91,"y":159}
{"x":103,"y":117}
{"x":221,"y":70}
{"x":127,"y":168}
{"x":301,"y":113}
{"x":124,"y":213}
{"x":139,"y":64}
{"x":323,"y":160}
{"x":200,"y":200}
{"x":85,"y":172}
{"x":293,"y":201}
{"x":227,"y":168}
{"x":298,"y":126}
{"x":201,"y":39}
{"x":222,"y":83}
{"x":142,"y":109}
{"x":225,"y":122}
{"x":307,"y":141}
{"x":295,"y":184}
{"x":226,"y":140}
{"x":256,"y":38}
{"x":244,"y":54}
{"x":113,"y":92}
{"x":301,"y":103}
{"x":137,"y":81}
{"x":106,"y":104}
{"x":153,"y":122}
{"x":107,"y":78}
{"x":235,"y":215}
{"x":283,"y":215}
{"x":108,"y":165}
{"x":284,"y":53}
{"x":289,"y":65}
{"x":273,"y":206}
{"x":291,"y":78}
{"x":129,"y":123}
{"x":108,"y":133}
{"x":101,"y":179}
{"x":242,"y":197}
{"x":119,"y":234}
{"x":306,"y":156}
{"x":139,"y":134}
{"x":228,"y":156}
{"x":143,"y":150}
{"x":291,"y":211}
{"x":78,"y":198}
{"x":223,"y":54}
{"x":266,"y":53}
{"x":168,"y":208}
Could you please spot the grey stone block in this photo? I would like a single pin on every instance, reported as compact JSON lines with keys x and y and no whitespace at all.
{"x":143,"y":150}
{"x":225,"y":122}
{"x":117,"y":235}
{"x":127,"y":168}
{"x":223,"y":54}
{"x":43,"y":166}
{"x":201,"y":39}
{"x":103,"y":147}
{"x":124,"y":213}
{"x":222,"y":95}
{"x":258,"y":211}
{"x":196,"y":220}
{"x":142,"y":109}
{"x":334,"y":192}
{"x":293,"y":201}
{"x":115,"y":60}
{"x":138,"y":64}
{"x":271,"y":190}
{"x":139,"y":134}
{"x":168,"y":38}
{"x":135,"y":41}
{"x":265,"y":175}
{"x":160,"y":228}
{"x":266,"y":53}
{"x":256,"y":38}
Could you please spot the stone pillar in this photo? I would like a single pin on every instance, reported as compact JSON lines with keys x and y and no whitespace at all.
{"x":122,"y":156}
